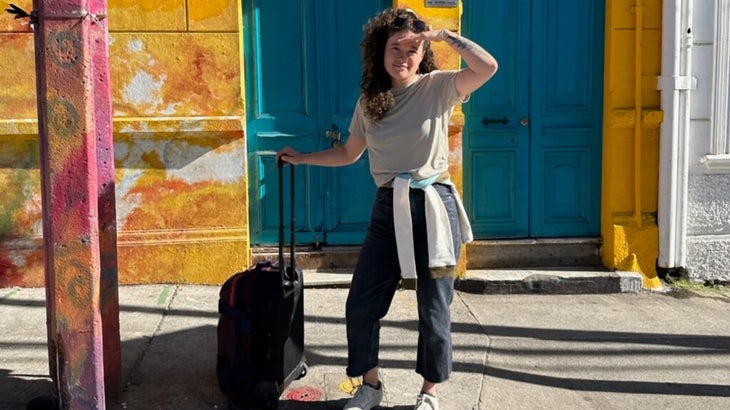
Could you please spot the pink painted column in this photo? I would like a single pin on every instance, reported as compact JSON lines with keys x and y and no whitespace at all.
{"x":66,"y":43}
{"x":109,"y":296}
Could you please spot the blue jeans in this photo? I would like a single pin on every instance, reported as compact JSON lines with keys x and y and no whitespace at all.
{"x":376,"y":278}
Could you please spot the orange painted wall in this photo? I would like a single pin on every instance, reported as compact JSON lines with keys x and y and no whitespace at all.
{"x":176,"y":68}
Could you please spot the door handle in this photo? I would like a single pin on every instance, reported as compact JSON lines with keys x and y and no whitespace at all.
{"x":334,"y":135}
{"x":487,"y":121}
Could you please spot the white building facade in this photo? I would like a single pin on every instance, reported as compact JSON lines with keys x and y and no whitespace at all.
{"x":694,"y":171}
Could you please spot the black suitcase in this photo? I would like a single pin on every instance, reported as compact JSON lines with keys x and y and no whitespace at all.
{"x":261,"y":326}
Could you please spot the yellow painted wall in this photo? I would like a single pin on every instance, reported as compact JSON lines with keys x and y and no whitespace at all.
{"x":631,"y":136}
{"x":180,"y":150}
{"x":177,"y":81}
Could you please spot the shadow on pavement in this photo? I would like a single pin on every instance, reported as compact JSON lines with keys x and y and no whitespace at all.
{"x":613,"y":386}
{"x":176,"y":369}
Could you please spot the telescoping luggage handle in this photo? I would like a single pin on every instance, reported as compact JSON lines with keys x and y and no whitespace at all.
{"x":288,"y":274}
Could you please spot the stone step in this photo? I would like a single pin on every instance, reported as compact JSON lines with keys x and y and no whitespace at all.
{"x":483,"y":254}
{"x":323,"y":259}
{"x":522,"y":253}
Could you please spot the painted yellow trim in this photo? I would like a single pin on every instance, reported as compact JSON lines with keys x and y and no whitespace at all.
{"x":638,"y":53}
{"x":242,"y":82}
{"x":19,"y":127}
{"x":622,"y":118}
{"x":140,"y":124}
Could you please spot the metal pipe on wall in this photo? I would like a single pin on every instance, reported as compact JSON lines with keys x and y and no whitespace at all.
{"x":675,"y":84}
{"x":667,"y":205}
{"x":684,"y":140}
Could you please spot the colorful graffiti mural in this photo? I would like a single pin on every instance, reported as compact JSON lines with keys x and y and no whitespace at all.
{"x":179,"y":154}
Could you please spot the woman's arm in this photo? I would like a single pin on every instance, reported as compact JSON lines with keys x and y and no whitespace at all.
{"x":480,"y":65}
{"x":345,"y":154}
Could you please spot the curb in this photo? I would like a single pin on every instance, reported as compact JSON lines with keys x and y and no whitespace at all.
{"x":548,"y":281}
{"x":554,"y":285}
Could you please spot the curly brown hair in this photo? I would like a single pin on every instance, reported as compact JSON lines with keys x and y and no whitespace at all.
{"x":375,"y":83}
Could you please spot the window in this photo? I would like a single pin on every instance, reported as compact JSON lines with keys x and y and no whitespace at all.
{"x":719,"y":157}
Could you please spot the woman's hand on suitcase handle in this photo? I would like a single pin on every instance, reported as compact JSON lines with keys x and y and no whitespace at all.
{"x":289,"y":155}
{"x":339,"y":155}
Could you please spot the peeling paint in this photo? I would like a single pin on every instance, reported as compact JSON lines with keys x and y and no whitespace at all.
{"x":144,"y":89}
{"x":126,"y":201}
{"x":135,"y":46}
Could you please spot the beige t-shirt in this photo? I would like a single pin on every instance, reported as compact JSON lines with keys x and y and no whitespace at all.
{"x":413,"y":135}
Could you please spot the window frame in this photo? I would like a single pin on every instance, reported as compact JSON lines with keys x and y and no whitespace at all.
{"x":718,"y":160}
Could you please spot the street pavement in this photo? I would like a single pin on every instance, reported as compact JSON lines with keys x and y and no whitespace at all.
{"x":528,"y":347}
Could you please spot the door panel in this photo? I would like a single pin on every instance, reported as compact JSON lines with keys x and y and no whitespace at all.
{"x":349,"y":191}
{"x":565,"y":116}
{"x":281,"y":110}
{"x":302,"y":80}
{"x":538,"y":175}
{"x":496,"y":158}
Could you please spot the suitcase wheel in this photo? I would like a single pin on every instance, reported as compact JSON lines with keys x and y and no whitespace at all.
{"x":304,"y":372}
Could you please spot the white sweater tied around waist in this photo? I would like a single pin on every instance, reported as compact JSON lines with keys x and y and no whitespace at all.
{"x":441,"y":252}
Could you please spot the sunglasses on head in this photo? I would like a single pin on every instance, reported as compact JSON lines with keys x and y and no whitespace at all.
{"x":417,"y":25}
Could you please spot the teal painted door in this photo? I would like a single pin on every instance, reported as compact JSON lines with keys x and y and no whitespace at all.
{"x":303,"y":70}
{"x":532,"y":137}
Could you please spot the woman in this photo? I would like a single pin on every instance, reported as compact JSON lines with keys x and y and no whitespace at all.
{"x":402,"y":119}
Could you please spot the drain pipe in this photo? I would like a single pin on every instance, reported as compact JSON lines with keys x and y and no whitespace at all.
{"x":675,"y":84}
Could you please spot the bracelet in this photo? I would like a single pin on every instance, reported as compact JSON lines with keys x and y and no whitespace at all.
{"x":443,"y":34}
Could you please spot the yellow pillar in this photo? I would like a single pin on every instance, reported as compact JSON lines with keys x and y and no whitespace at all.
{"x":631,"y":137}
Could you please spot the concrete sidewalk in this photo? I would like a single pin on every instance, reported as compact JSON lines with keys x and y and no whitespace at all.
{"x":648,"y":350}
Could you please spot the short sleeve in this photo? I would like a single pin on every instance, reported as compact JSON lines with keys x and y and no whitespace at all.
{"x":447,"y":83}
{"x":358,"y":123}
